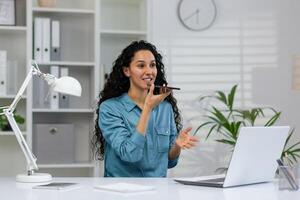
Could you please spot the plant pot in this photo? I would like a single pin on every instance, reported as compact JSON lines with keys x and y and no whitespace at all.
{"x":47,"y":3}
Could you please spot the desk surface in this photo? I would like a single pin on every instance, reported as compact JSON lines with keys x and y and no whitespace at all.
{"x":165,"y":189}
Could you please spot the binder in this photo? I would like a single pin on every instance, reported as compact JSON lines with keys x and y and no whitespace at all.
{"x":3,"y":61}
{"x":40,"y":89}
{"x":64,"y":98}
{"x":55,"y":40}
{"x":46,"y":40}
{"x":36,"y":92}
{"x":54,"y":98}
{"x":11,"y":77}
{"x":37,"y":39}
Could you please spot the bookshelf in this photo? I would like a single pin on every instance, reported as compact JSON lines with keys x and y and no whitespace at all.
{"x":93,"y":33}
{"x":131,"y":24}
{"x":77,"y":54}
{"x":13,"y":40}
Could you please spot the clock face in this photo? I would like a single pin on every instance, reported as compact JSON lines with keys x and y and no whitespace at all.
{"x":197,"y":15}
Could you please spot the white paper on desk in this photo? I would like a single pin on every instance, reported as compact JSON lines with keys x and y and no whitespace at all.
{"x":125,"y":187}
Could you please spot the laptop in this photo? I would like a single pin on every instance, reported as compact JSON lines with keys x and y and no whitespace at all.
{"x":253,"y":159}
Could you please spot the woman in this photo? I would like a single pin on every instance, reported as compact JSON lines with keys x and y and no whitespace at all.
{"x":137,"y":124}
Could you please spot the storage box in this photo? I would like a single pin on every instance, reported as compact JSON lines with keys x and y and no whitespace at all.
{"x":54,"y":143}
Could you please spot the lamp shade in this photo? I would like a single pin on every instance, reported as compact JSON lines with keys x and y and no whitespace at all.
{"x":67,"y":85}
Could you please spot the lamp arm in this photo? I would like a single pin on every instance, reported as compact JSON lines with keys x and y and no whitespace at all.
{"x":21,"y":91}
{"x":30,"y":158}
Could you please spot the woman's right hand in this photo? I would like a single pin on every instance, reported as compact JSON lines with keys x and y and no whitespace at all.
{"x":153,"y":100}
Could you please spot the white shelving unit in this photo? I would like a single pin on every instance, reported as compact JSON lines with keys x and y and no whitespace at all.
{"x":93,"y":33}
{"x":13,"y":40}
{"x":77,"y":20}
{"x":9,"y":133}
{"x":121,"y":22}
{"x":63,"y":10}
{"x":12,"y":29}
{"x":66,"y":63}
{"x":36,"y":110}
{"x":71,"y":165}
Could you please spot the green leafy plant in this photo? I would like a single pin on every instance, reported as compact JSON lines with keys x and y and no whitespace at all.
{"x":227,"y":120}
{"x":290,"y":153}
{"x":4,"y":124}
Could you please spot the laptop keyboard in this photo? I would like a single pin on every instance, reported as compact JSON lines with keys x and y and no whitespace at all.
{"x":215,"y":180}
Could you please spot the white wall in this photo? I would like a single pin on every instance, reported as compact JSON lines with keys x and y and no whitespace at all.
{"x":267,"y":32}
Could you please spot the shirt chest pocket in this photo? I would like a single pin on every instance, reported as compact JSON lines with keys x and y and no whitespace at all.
{"x":163,"y":137}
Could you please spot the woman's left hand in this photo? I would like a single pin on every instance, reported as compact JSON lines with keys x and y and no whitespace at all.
{"x":186,"y":141}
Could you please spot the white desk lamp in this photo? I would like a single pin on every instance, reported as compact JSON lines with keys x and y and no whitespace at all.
{"x":66,"y":85}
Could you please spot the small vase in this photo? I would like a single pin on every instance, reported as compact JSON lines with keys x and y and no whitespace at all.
{"x":47,"y":3}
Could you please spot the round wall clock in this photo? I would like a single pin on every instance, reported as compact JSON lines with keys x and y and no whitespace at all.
{"x":197,"y":15}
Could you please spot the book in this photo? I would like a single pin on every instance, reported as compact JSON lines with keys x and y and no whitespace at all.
{"x":125,"y":187}
{"x":57,"y":186}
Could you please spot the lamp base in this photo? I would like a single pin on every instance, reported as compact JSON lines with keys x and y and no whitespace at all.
{"x":34,"y":178}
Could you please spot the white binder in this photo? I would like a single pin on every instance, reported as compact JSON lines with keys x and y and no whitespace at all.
{"x":64,"y":98}
{"x":55,"y":40}
{"x":3,"y":65}
{"x":37,"y":39}
{"x":46,"y":40}
{"x":54,"y":98}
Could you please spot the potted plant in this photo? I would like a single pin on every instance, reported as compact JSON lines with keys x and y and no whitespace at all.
{"x":4,"y":124}
{"x":227,"y":120}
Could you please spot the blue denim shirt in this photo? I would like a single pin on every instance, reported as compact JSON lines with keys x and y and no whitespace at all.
{"x":129,"y":153}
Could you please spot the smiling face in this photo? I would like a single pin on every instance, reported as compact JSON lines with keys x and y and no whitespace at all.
{"x":142,"y":70}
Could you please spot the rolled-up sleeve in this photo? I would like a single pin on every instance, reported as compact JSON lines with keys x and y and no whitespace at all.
{"x":127,"y":144}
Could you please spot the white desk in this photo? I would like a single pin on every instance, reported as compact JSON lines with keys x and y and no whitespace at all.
{"x":166,"y":189}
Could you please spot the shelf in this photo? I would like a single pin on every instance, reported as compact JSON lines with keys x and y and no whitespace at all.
{"x":71,"y":165}
{"x":10,"y":96}
{"x":62,"y":10}
{"x":108,"y":32}
{"x":47,"y":110}
{"x":68,"y":63}
{"x":10,"y":133}
{"x":13,"y":29}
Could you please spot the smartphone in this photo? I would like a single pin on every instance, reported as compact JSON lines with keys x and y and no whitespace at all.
{"x":167,"y":87}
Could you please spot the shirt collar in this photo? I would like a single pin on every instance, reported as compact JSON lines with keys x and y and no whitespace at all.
{"x":127,"y":102}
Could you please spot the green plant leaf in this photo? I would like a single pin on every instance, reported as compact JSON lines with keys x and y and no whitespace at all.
{"x":273,"y":119}
{"x":219,"y":115}
{"x":210,"y":131}
{"x":19,"y":119}
{"x":293,"y":146}
{"x":4,"y":122}
{"x":205,"y":97}
{"x":201,"y":126}
{"x":291,"y":153}
{"x":288,"y":138}
{"x":227,"y":141}
{"x":231,"y":97}
{"x":222,"y":97}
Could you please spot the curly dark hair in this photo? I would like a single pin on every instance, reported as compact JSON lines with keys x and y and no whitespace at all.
{"x":117,"y":84}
